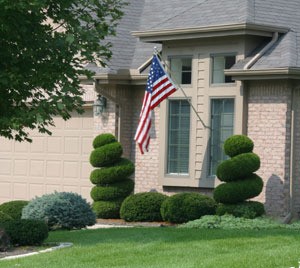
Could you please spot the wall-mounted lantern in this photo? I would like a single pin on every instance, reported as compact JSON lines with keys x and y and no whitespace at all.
{"x":99,"y":105}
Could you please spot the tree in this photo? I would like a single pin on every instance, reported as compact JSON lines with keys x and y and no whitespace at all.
{"x":44,"y":45}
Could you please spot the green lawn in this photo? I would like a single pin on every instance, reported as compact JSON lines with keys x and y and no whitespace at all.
{"x":169,"y":247}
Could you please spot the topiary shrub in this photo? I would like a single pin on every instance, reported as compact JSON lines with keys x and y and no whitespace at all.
{"x":184,"y":207}
{"x":113,"y":191}
{"x":26,"y":232}
{"x":142,"y":207}
{"x":114,"y":173}
{"x":4,"y":240}
{"x":106,"y":154}
{"x":60,"y":211}
{"x":107,"y":209}
{"x":13,"y":208}
{"x":238,"y":144}
{"x":248,"y":209}
{"x":238,"y":167}
{"x":241,"y":183}
{"x":111,"y":178}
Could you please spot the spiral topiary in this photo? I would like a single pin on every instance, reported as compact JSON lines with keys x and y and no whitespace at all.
{"x":111,"y":177}
{"x":241,"y":183}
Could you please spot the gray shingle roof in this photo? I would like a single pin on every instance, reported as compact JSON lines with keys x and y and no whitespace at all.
{"x":144,"y":15}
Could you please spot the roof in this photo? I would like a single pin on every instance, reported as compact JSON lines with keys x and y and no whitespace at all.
{"x":154,"y":17}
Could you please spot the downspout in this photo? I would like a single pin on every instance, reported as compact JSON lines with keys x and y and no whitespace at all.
{"x":289,"y":216}
{"x":262,"y":52}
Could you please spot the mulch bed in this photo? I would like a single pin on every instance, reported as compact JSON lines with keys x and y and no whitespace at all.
{"x":121,"y":222}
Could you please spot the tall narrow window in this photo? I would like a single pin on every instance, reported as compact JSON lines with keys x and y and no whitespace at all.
{"x":181,"y":70}
{"x":178,"y":137}
{"x":219,"y":64}
{"x":222,"y":120}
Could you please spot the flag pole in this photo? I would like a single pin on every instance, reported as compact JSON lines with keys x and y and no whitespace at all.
{"x":156,"y":52}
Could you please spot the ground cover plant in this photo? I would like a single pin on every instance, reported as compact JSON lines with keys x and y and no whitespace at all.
{"x":169,"y":247}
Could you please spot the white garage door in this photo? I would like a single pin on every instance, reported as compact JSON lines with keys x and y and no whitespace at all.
{"x":50,"y":163}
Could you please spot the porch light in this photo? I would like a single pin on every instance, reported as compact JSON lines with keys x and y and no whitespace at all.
{"x":99,"y":105}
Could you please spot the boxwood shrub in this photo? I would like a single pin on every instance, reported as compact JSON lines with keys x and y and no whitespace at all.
{"x":184,"y":207}
{"x":238,"y":144}
{"x":247,"y":209}
{"x":107,"y":209}
{"x":114,"y":173}
{"x":4,"y":217}
{"x":142,"y":207}
{"x":103,"y":139}
{"x":238,"y":167}
{"x":13,"y":208}
{"x":238,"y":191}
{"x":113,"y":191}
{"x":25,"y":232}
{"x":106,"y":154}
{"x":60,"y":211}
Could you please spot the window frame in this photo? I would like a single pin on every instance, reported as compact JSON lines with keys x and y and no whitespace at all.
{"x":166,"y":169}
{"x":171,"y":72}
{"x":211,"y":70}
{"x":209,"y":173}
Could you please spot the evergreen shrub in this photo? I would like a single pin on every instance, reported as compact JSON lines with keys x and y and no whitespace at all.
{"x":103,"y":139}
{"x":25,"y":232}
{"x":184,"y":207}
{"x":13,"y":208}
{"x":107,"y":209}
{"x":4,"y":240}
{"x":106,"y":154}
{"x":238,"y":191}
{"x":112,"y":191}
{"x":247,"y":209}
{"x":114,"y":173}
{"x":238,"y":144}
{"x":142,"y":207}
{"x":5,"y":217}
{"x":238,"y":167}
{"x":60,"y":211}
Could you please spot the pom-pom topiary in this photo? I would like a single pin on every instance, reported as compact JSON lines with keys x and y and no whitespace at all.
{"x":103,"y":139}
{"x":248,"y":209}
{"x":111,"y":178}
{"x":106,"y":155}
{"x":114,"y":173}
{"x":13,"y":208}
{"x":241,"y":183}
{"x":26,"y":232}
{"x":60,"y":211}
{"x":238,"y":144}
{"x":107,"y":209}
{"x":238,"y":167}
{"x":184,"y":207}
{"x":113,"y":191}
{"x":142,"y":207}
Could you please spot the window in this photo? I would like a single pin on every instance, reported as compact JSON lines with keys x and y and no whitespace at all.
{"x":219,"y":64}
{"x":222,"y":118}
{"x":181,"y":70}
{"x":178,"y":137}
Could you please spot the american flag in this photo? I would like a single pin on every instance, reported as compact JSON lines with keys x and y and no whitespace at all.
{"x":159,"y":87}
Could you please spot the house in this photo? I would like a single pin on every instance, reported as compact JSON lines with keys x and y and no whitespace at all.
{"x":237,"y":61}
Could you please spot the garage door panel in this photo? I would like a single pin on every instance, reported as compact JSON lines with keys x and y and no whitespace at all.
{"x":50,"y":163}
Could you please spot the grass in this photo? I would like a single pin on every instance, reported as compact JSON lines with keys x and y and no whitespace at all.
{"x":169,"y":247}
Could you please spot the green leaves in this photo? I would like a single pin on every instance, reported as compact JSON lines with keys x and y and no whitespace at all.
{"x":44,"y":44}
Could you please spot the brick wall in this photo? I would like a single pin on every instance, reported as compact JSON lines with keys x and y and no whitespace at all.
{"x":269,"y":118}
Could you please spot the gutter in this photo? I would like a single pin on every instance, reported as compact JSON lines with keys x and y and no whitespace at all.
{"x":262,"y":52}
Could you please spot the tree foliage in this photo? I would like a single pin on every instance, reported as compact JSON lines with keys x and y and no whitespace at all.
{"x":44,"y":46}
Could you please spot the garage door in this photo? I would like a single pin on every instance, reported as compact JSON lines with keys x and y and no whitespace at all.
{"x":50,"y":163}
